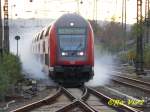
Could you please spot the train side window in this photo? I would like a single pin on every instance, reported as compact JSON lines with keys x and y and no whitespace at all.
{"x":47,"y":31}
{"x":36,"y":48}
{"x":39,"y":47}
{"x":43,"y":46}
{"x":46,"y":59}
{"x":41,"y":35}
{"x":33,"y":48}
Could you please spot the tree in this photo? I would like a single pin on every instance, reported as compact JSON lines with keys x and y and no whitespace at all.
{"x":10,"y":72}
{"x":112,"y":36}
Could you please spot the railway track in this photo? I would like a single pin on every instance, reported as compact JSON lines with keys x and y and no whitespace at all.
{"x":144,"y":86}
{"x":82,"y":99}
{"x":127,"y":69}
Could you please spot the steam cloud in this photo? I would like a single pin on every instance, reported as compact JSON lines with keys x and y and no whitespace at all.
{"x":102,"y":68}
{"x":27,"y":29}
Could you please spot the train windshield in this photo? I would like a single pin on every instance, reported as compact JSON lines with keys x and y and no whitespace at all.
{"x":72,"y":39}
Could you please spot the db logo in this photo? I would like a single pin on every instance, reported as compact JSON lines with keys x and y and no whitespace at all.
{"x":72,"y":62}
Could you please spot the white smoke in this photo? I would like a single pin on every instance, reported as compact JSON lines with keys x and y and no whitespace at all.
{"x":27,"y":29}
{"x":30,"y":64}
{"x":102,"y":68}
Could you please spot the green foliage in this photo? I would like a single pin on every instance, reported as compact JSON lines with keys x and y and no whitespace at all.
{"x":130,"y":55}
{"x":135,"y":30}
{"x":123,"y":57}
{"x":10,"y":71}
{"x":96,"y":27}
{"x":127,"y":56}
{"x":113,"y":36}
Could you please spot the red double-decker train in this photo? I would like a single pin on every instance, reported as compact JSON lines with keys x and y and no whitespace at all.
{"x":66,"y":48}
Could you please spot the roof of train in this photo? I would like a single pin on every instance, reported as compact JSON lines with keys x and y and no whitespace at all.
{"x":66,"y":19}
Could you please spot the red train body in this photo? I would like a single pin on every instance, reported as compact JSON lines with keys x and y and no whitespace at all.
{"x":67,"y":48}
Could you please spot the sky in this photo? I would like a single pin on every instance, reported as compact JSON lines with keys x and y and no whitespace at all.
{"x":55,"y":8}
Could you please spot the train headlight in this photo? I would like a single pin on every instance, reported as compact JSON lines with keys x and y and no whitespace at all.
{"x":80,"y":53}
{"x":64,"y":54}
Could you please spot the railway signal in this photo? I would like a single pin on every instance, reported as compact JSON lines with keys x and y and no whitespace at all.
{"x":17,"y":38}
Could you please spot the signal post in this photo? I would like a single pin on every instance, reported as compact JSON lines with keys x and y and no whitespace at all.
{"x":6,"y":26}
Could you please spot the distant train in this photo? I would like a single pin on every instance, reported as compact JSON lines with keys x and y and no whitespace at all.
{"x":66,"y":48}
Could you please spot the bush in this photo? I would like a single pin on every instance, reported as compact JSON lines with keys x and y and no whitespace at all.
{"x":123,"y":57}
{"x":10,"y":72}
{"x":130,"y":55}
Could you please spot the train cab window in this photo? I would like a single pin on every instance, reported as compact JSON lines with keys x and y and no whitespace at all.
{"x":72,"y":39}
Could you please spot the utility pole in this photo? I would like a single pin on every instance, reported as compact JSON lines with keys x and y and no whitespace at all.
{"x":93,"y":10}
{"x":122,"y":14}
{"x":125,"y":23}
{"x":96,"y":11}
{"x":147,"y":19}
{"x":95,"y":14}
{"x":78,"y":12}
{"x":78,"y":5}
{"x":124,"y":20}
{"x":1,"y":32}
{"x":6,"y":26}
{"x":139,"y":49}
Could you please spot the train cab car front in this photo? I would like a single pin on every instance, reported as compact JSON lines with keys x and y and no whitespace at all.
{"x":74,"y":55}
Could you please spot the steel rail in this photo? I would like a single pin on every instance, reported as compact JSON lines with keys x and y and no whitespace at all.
{"x":71,"y":97}
{"x":131,"y":79}
{"x":131,"y":85}
{"x":81,"y":100}
{"x":85,"y":95}
{"x":78,"y":102}
{"x":106,"y":99}
{"x":50,"y":99}
{"x":47,"y":100}
{"x":75,"y":104}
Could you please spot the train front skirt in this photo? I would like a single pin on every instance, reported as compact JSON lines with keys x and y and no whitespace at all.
{"x":73,"y":75}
